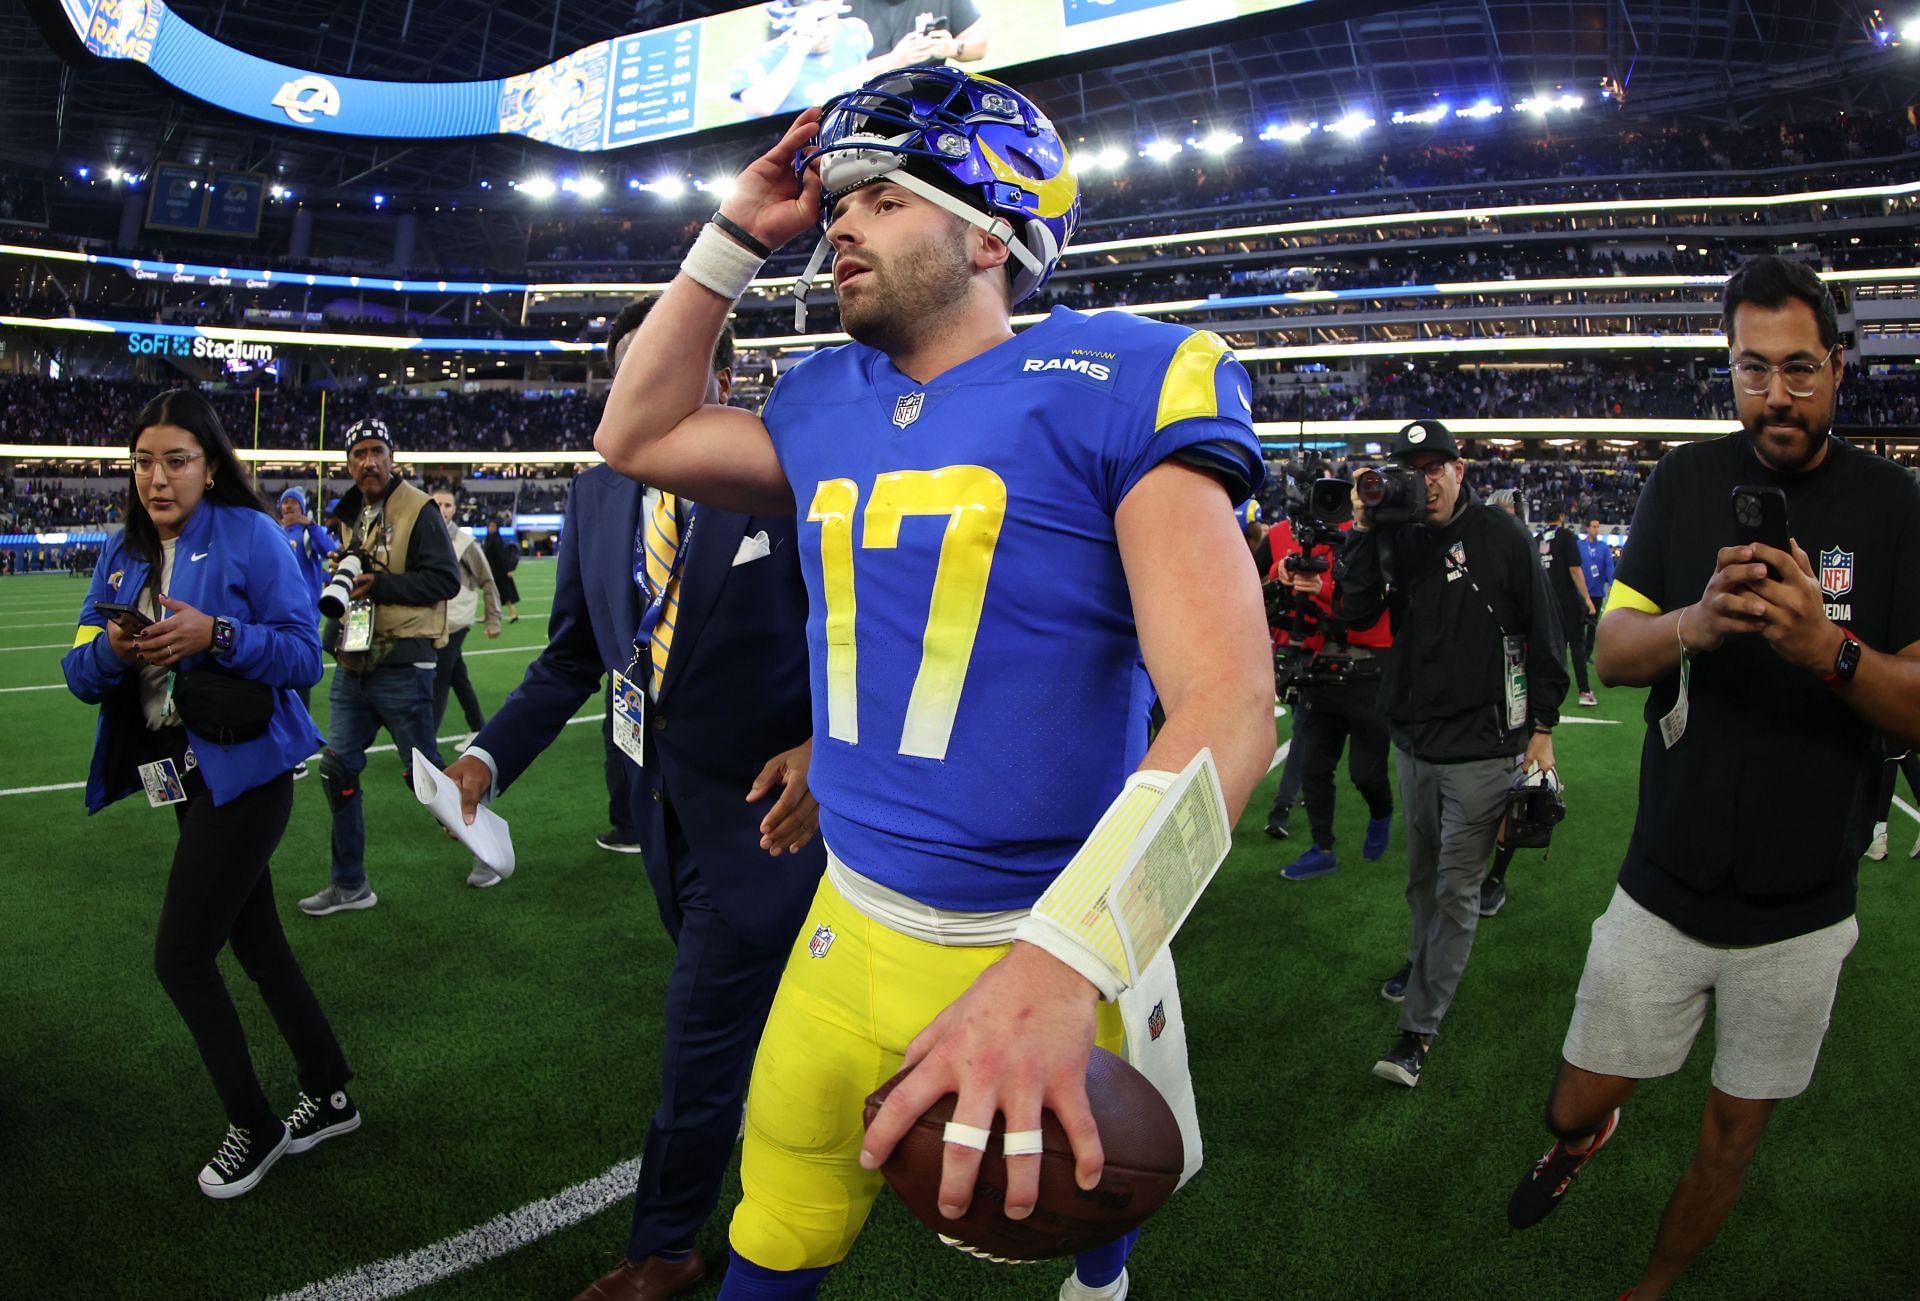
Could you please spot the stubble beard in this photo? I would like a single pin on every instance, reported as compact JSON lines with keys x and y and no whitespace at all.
{"x":906,"y":297}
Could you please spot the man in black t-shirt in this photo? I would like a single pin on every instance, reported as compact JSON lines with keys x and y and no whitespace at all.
{"x":919,"y":34}
{"x":1759,"y":761}
{"x":1567,"y":579}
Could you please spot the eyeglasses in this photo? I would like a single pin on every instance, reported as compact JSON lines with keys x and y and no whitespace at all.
{"x":1756,"y":377}
{"x":176,"y":463}
{"x":1433,"y":470}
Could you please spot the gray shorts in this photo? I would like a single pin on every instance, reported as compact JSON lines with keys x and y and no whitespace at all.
{"x":1643,"y":999}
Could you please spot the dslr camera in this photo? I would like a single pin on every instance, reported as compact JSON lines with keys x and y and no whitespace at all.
{"x":335,"y":596}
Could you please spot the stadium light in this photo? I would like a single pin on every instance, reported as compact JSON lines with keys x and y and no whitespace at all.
{"x":1484,"y":108}
{"x":1911,"y":32}
{"x":1161,"y":150}
{"x":667,"y":187}
{"x":1292,"y":133}
{"x":1426,"y":117}
{"x":1219,"y":142}
{"x":379,"y":200}
{"x":590,"y":187}
{"x":1352,"y":125}
{"x":1105,"y":159}
{"x":720,"y":186}
{"x":539,"y":187}
{"x":83,"y":172}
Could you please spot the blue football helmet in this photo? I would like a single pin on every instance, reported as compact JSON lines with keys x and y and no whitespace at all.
{"x":976,"y":147}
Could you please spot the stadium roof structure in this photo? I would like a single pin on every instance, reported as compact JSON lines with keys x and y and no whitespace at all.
{"x":1718,"y":60}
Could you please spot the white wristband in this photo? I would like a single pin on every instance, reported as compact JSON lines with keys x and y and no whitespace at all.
{"x":720,"y":264}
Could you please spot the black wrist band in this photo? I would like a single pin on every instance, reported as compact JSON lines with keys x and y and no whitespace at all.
{"x":740,"y":235}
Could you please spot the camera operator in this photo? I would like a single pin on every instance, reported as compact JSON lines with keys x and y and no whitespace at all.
{"x":384,"y":632}
{"x":1475,"y":678}
{"x":1281,"y":611}
{"x":1338,"y":670}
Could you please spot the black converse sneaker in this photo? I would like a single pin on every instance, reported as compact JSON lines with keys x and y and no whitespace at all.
{"x":243,"y":1160}
{"x":314,"y":1119}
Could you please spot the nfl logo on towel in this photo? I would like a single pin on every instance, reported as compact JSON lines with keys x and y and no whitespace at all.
{"x":907,"y":409}
{"x":1157,"y":1020}
{"x":1836,"y":572}
{"x":822,"y":941}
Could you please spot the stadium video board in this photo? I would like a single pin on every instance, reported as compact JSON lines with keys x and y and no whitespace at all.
{"x":764,"y":60}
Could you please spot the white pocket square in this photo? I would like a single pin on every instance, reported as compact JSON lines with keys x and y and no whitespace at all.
{"x":753,"y":548}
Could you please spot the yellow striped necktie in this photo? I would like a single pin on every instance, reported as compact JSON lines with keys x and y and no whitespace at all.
{"x":662,"y":545}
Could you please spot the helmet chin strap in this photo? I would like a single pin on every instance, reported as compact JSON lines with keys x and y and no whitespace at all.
{"x":998,"y":227}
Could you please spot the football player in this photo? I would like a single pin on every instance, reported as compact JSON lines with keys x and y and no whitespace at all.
{"x":1010,"y":542}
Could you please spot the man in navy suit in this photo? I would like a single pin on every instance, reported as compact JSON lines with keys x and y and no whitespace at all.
{"x":733,"y":869}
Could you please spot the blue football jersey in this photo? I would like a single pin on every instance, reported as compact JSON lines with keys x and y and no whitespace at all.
{"x":978,"y":691}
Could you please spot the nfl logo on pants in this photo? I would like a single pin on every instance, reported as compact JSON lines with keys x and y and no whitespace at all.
{"x":822,"y":941}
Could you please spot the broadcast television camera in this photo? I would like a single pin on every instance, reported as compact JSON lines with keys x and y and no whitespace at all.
{"x":1393,"y":495}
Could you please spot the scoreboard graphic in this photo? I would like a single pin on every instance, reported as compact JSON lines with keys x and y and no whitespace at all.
{"x":626,"y":90}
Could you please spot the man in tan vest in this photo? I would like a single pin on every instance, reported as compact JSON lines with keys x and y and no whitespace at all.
{"x":383,"y":648}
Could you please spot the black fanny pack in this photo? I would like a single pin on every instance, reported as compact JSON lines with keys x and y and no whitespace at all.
{"x":221,"y":707}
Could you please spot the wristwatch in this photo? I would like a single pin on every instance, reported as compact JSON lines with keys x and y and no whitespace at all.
{"x":222,"y":637}
{"x":1846,"y":661}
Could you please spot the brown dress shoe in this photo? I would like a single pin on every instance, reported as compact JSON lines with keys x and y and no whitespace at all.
{"x":653,"y":1279}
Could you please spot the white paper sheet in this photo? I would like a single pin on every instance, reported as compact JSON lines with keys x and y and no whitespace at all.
{"x":488,"y":837}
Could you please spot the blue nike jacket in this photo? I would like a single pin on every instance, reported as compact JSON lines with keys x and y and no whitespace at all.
{"x":233,"y":562}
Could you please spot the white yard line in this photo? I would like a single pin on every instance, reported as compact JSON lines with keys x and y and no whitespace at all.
{"x":398,"y":1275}
{"x":52,"y":645}
{"x":372,"y":749}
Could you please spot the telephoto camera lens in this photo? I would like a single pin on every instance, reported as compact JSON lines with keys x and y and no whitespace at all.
{"x":339,"y":589}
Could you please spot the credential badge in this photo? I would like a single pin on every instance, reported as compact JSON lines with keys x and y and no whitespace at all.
{"x":907,"y":409}
{"x":1836,"y":572}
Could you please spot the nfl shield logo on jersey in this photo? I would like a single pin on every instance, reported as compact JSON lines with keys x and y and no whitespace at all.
{"x":822,"y":941}
{"x":907,"y":409}
{"x":1836,"y":572}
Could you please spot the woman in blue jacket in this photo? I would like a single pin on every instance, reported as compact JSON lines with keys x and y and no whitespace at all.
{"x":202,"y":558}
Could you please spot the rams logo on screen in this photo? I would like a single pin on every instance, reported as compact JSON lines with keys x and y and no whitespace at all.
{"x":302,"y":97}
{"x":1101,"y":371}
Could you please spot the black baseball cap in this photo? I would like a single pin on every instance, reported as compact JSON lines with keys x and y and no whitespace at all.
{"x":361,"y":430}
{"x":1424,"y":436}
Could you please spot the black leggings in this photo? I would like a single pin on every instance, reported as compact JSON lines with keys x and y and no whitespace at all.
{"x":220,"y":892}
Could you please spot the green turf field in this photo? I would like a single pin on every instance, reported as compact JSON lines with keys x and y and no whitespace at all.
{"x":506,"y":1043}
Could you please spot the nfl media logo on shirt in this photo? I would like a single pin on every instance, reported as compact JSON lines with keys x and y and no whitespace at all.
{"x":1836,"y":580}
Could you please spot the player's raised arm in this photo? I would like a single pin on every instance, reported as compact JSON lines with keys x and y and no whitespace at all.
{"x":655,"y":427}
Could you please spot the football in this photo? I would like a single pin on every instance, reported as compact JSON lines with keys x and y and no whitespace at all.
{"x":1144,"y":1159}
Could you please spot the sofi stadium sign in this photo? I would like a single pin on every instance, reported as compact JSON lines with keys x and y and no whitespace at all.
{"x":627,"y":90}
{"x":198,"y":347}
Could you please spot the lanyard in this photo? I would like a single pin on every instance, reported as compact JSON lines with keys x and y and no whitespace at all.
{"x":655,"y":603}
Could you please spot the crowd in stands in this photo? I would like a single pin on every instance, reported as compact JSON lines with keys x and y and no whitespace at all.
{"x":100,"y":412}
{"x":36,"y":506}
{"x":1336,"y":176}
{"x":1577,"y":389}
